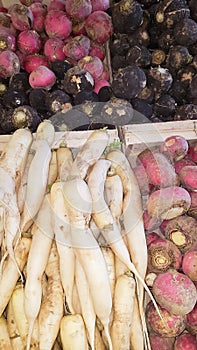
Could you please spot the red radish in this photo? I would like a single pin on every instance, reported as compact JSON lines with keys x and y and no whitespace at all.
{"x":175,"y":292}
{"x":182,"y":231}
{"x":176,"y":147}
{"x":185,"y":341}
{"x":31,"y":62}
{"x":188,"y":177}
{"x":169,"y":325}
{"x":77,"y":47}
{"x":57,"y":24}
{"x":3,"y":9}
{"x":29,"y":42}
{"x":39,"y":13}
{"x":179,"y":164}
{"x":142,"y":179}
{"x":99,"y":83}
{"x":193,"y":207}
{"x":167,"y":203}
{"x":106,"y":74}
{"x":78,"y":9}
{"x":100,"y":5}
{"x":151,"y":237}
{"x":99,"y":26}
{"x":191,"y":320}
{"x":192,"y":152}
{"x":53,"y":49}
{"x":91,"y":64}
{"x":144,"y":157}
{"x":21,"y":16}
{"x":163,"y":255}
{"x":97,"y":49}
{"x":9,"y":64}
{"x":21,"y":57}
{"x":7,"y":39}
{"x":42,"y":77}
{"x":56,"y":5}
{"x":189,"y":264}
{"x":161,"y":343}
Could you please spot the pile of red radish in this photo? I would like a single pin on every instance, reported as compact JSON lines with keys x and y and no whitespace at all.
{"x":167,"y":177}
{"x":35,"y":35}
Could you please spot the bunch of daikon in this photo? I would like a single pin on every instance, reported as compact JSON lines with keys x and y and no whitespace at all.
{"x":73,"y":247}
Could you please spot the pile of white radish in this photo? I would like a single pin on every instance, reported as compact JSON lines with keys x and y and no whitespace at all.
{"x":73,"y":246}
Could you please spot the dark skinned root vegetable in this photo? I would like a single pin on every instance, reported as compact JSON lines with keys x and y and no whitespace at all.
{"x":175,"y":147}
{"x":185,"y":32}
{"x":128,"y":82}
{"x":189,"y":265}
{"x":139,"y":37}
{"x":182,"y":231}
{"x":193,"y":87}
{"x":178,"y":92}
{"x":186,"y":75}
{"x":161,"y":343}
{"x":191,"y":320}
{"x":158,"y":57}
{"x":193,"y":9}
{"x":188,"y":177}
{"x":20,"y":81}
{"x":175,"y":291}
{"x":164,"y":107}
{"x":169,"y":12}
{"x":142,"y":107}
{"x":165,"y":40}
{"x":92,"y":109}
{"x":37,"y":100}
{"x":118,"y":43}
{"x":69,"y":120}
{"x":163,"y":255}
{"x":105,"y":94}
{"x":55,"y":101}
{"x":6,"y":122}
{"x":186,"y":112}
{"x":116,"y":111}
{"x":146,"y":94}
{"x":84,"y":96}
{"x":179,"y":164}
{"x":193,"y":207}
{"x":185,"y":341}
{"x":160,"y":79}
{"x":167,"y":203}
{"x":169,"y":325}
{"x":178,"y":56}
{"x":60,"y":67}
{"x":138,"y":55}
{"x":25,"y":117}
{"x":14,"y":98}
{"x":126,"y":16}
{"x":76,"y":80}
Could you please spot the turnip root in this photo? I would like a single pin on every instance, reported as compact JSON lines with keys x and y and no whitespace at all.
{"x":175,"y":292}
{"x":73,"y":325}
{"x":182,"y":231}
{"x":10,"y":272}
{"x":17,"y":300}
{"x":163,"y":255}
{"x":123,"y":304}
{"x":151,"y":237}
{"x":42,"y":235}
{"x":192,"y":151}
{"x":52,"y":306}
{"x":167,"y":203}
{"x":5,"y":342}
{"x":185,"y":341}
{"x":169,"y":325}
{"x":89,"y":153}
{"x":142,"y":179}
{"x":87,"y":309}
{"x":193,"y":207}
{"x":189,"y":265}
{"x":188,"y":177}
{"x":15,"y":338}
{"x":179,"y":164}
{"x":175,"y":147}
{"x":191,"y":320}
{"x":79,"y":206}
{"x":160,"y":342}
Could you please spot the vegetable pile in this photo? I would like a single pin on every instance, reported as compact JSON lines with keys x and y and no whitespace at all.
{"x":73,"y":258}
{"x":52,"y":57}
{"x":153,"y":49}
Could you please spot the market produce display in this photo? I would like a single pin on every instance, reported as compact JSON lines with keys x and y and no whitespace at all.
{"x":87,"y":253}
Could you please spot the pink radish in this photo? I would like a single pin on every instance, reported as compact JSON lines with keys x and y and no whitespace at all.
{"x":91,"y":64}
{"x":175,"y":147}
{"x":53,"y":49}
{"x":100,"y":5}
{"x":160,"y":342}
{"x":9,"y":64}
{"x":189,"y":264}
{"x":21,"y":16}
{"x":29,"y":42}
{"x":57,"y":24}
{"x":31,"y":62}
{"x":185,"y":341}
{"x":99,"y":26}
{"x":78,"y":9}
{"x":191,"y":320}
{"x":39,"y":13}
{"x":42,"y":77}
{"x":188,"y":177}
{"x":77,"y":47}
